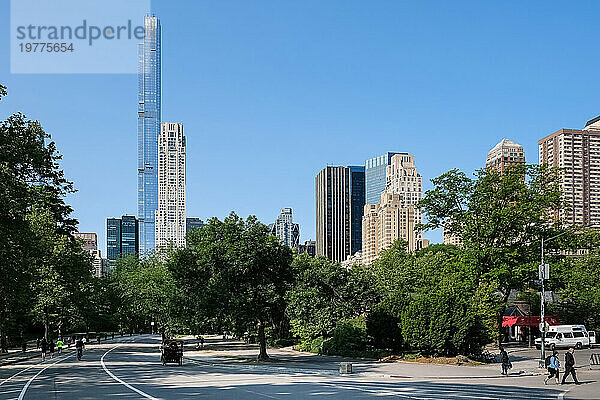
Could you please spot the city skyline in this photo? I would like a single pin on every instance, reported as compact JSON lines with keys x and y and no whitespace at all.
{"x":451,"y":119}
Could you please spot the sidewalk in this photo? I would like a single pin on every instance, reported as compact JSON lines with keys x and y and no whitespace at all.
{"x":525,"y":371}
{"x":242,"y":355}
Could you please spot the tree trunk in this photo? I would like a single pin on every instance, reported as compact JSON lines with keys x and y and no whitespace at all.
{"x":46,"y":326}
{"x":262,"y":341}
{"x":3,"y":341}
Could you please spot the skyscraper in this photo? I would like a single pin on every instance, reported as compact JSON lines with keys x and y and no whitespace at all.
{"x":113,"y":239}
{"x":357,"y":202}
{"x":395,"y":215}
{"x":122,"y":237}
{"x":193,"y":223}
{"x":339,"y":192}
{"x":577,"y":153}
{"x":129,"y":235}
{"x":285,"y":229}
{"x":149,"y":118}
{"x":375,"y":169}
{"x":170,"y":216}
{"x":505,"y":153}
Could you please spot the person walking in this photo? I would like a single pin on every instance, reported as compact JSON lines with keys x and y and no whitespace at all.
{"x":570,"y":366}
{"x":553,"y":367}
{"x":79,"y":346}
{"x":51,"y":347}
{"x":506,"y":364}
{"x":59,"y":346}
{"x":44,"y":348}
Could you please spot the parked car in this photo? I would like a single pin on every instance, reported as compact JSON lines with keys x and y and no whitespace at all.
{"x":566,"y":336}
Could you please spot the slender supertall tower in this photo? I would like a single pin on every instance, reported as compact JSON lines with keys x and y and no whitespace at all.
{"x":149,"y":118}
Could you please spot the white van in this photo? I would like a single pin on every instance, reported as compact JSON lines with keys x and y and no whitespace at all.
{"x":565,"y":336}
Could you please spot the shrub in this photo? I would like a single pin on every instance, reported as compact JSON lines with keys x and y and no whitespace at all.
{"x":349,"y":338}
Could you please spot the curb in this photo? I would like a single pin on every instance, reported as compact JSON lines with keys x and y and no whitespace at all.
{"x":335,"y":372}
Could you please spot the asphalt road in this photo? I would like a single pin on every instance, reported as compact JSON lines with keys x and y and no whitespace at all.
{"x":132,"y":369}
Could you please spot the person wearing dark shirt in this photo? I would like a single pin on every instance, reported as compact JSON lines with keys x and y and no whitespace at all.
{"x":44,"y":347}
{"x":570,"y":366}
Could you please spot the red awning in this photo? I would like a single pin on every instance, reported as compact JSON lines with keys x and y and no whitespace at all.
{"x":532,"y":320}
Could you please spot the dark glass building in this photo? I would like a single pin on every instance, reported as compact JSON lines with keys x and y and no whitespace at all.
{"x":339,"y":201}
{"x":113,"y":239}
{"x":122,"y":237}
{"x":357,"y":206}
{"x":129,"y":235}
{"x":192,"y":223}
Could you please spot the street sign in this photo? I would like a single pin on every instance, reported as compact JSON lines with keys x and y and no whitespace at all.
{"x":544,"y":271}
{"x":537,"y":281}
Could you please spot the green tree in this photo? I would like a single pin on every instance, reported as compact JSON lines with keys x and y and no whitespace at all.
{"x":324,"y":294}
{"x":432,"y":301}
{"x":30,"y":177}
{"x":577,"y":283}
{"x":500,"y":219}
{"x":147,"y":293}
{"x":234,"y":276}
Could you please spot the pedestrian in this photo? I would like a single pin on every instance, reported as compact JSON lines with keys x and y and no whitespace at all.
{"x":570,"y":366}
{"x":38,"y":343}
{"x":98,"y":339}
{"x":51,"y":347}
{"x":553,"y":367}
{"x":44,"y":348}
{"x":506,"y":365}
{"x":59,"y":346}
{"x":24,"y":345}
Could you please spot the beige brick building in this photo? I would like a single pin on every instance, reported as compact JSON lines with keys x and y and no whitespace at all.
{"x":505,"y":153}
{"x":451,"y":238}
{"x":577,"y":153}
{"x":170,"y":216}
{"x":395,"y":216}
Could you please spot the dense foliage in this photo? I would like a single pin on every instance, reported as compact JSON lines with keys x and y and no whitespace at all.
{"x":234,"y":277}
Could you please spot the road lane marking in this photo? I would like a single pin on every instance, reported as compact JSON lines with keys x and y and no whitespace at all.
{"x":22,"y":394}
{"x":17,"y":374}
{"x":138,"y":391}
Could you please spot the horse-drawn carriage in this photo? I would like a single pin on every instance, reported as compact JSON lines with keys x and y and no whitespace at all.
{"x":171,"y":351}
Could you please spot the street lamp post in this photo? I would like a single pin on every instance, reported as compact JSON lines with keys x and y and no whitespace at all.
{"x":544,"y":273}
{"x":542,"y":309}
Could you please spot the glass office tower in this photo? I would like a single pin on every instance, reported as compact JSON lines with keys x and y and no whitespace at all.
{"x":375,"y":176}
{"x":129,"y":235}
{"x":113,"y":239}
{"x":149,"y":117}
{"x":357,"y":201}
{"x":122,"y":237}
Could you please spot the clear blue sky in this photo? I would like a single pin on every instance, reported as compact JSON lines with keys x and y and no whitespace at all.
{"x":271,"y":92}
